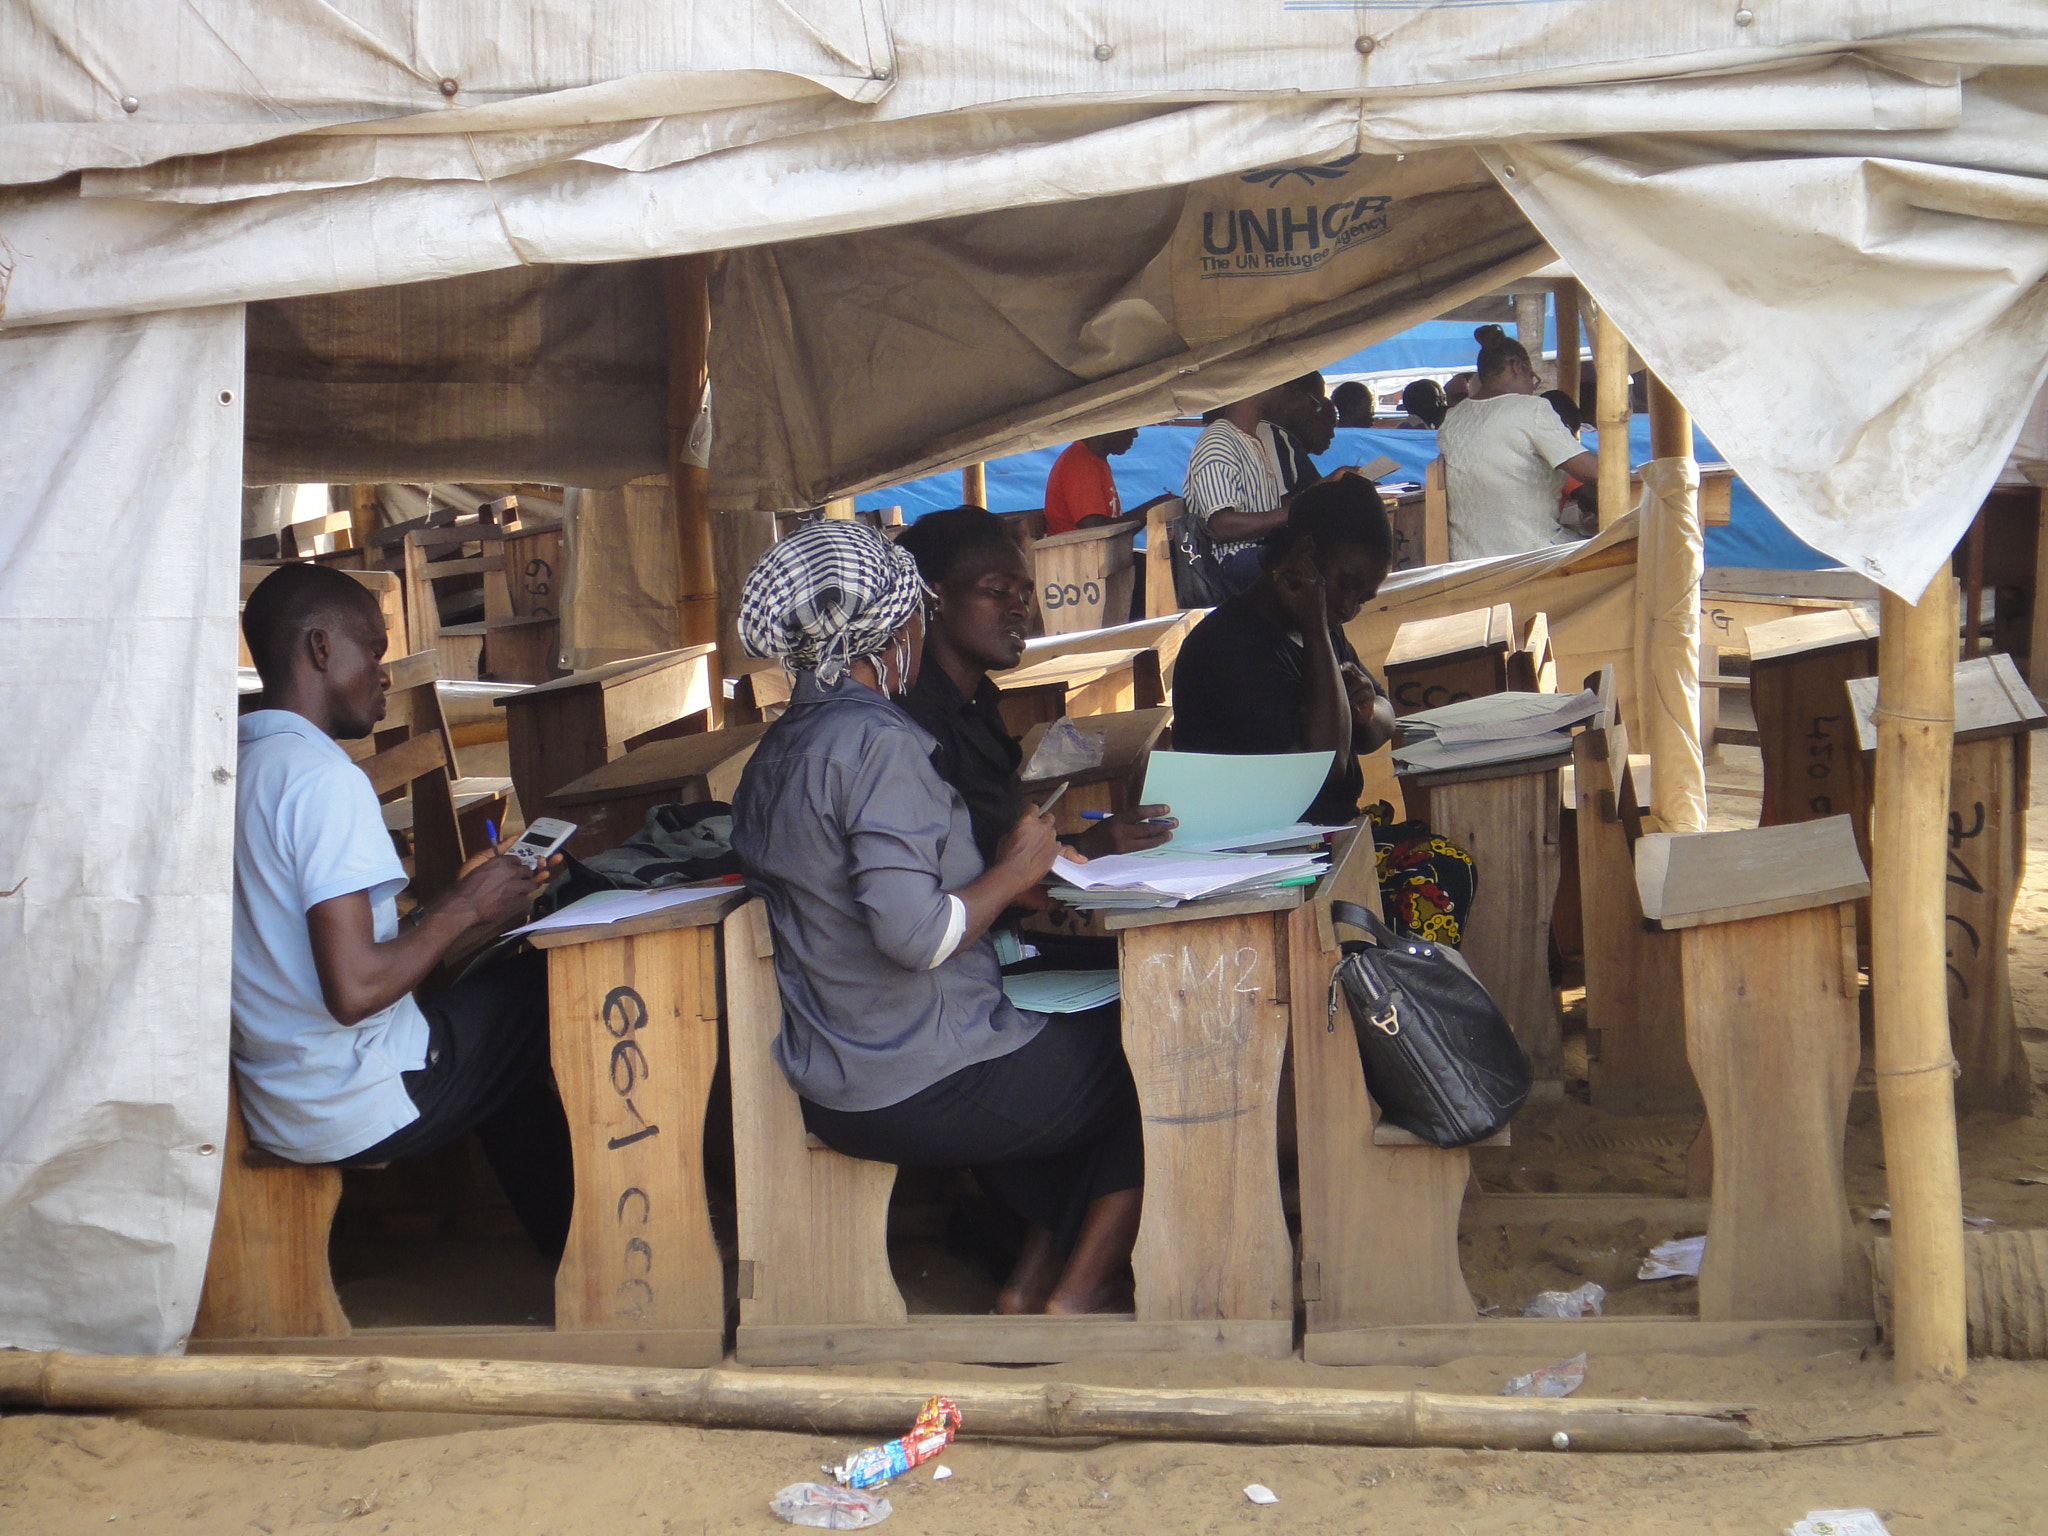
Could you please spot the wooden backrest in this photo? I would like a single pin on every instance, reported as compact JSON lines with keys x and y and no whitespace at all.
{"x":1160,"y":518}
{"x":1084,"y":578}
{"x":1604,"y":783}
{"x":413,"y":751}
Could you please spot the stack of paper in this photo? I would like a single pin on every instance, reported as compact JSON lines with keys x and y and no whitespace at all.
{"x":1162,"y":877}
{"x":1495,"y":728}
{"x":1061,"y":991}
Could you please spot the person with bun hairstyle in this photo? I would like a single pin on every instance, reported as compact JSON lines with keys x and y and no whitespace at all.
{"x":1507,"y":457}
{"x":1271,"y":670}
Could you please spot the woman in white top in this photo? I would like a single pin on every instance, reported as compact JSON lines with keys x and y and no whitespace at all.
{"x":1506,"y":457}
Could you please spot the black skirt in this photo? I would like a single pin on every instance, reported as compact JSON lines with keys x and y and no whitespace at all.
{"x":1047,"y":1129}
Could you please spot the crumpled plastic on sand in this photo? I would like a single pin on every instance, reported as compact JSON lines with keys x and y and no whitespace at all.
{"x":1560,"y":1380}
{"x":1586,"y":1301}
{"x":830,"y":1509}
{"x":1838,"y":1522}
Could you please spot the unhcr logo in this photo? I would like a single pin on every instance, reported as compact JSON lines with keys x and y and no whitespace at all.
{"x":1271,"y":177}
{"x":1288,"y":237}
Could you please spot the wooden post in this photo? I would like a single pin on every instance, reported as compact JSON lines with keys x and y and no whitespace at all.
{"x":1909,"y":984}
{"x":1610,"y":415}
{"x":1530,"y":311}
{"x":1568,"y":339}
{"x":840,"y":509}
{"x":688,"y":287}
{"x":974,"y":485}
{"x":1670,"y":423}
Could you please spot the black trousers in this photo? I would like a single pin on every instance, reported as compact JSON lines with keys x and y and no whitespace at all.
{"x":487,"y":1071}
{"x":1047,"y":1129}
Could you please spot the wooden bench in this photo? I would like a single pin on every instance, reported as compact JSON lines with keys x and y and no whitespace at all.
{"x":1634,"y":1004}
{"x":1996,"y":712}
{"x":1084,"y":578}
{"x":508,"y":644}
{"x":611,"y":803}
{"x":563,"y":729}
{"x":1205,"y":1025}
{"x":1767,"y":939}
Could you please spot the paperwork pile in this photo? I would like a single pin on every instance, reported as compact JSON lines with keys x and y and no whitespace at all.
{"x":1161,"y":878}
{"x":1495,"y":728}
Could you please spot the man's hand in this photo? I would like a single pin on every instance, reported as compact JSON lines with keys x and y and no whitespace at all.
{"x":1028,"y":849}
{"x":1130,"y":831}
{"x":494,"y":888}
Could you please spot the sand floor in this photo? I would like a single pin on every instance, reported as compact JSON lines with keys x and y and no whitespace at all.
{"x":1983,"y":1467}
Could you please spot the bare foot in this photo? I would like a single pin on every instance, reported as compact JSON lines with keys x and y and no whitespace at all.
{"x":1032,"y":1279}
{"x":1110,"y":1296}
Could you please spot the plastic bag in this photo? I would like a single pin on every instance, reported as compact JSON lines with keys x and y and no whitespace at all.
{"x":1586,"y":1301}
{"x":1065,"y":748}
{"x":1838,"y":1522}
{"x":1560,"y":1380}
{"x":931,"y":1434}
{"x":830,"y":1509}
{"x":1670,"y":1261}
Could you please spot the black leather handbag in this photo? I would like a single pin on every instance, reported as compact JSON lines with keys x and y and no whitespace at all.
{"x":1440,"y":1060}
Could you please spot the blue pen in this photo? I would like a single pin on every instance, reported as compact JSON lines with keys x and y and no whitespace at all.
{"x":1149,"y":821}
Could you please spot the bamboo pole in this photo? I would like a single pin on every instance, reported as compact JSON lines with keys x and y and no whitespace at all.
{"x":974,"y":485}
{"x":1610,"y":415}
{"x":1670,"y":423}
{"x":1530,"y":312}
{"x":1568,"y":340}
{"x":687,"y":282}
{"x":1909,"y":984}
{"x":840,"y":509}
{"x":727,"y":1399}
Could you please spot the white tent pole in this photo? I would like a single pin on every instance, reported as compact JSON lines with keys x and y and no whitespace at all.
{"x":1916,"y":715}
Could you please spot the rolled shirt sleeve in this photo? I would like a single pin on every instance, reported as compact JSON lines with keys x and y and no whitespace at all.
{"x":894,"y":826}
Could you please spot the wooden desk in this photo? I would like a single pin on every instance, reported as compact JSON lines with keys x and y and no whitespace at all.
{"x":633,"y":1011}
{"x":1085,"y":683}
{"x":1996,"y":712}
{"x":1797,"y":669}
{"x":1506,"y":816}
{"x":1459,"y":656}
{"x":563,"y":729}
{"x":1128,"y":740}
{"x":611,"y":803}
{"x":1085,"y":578}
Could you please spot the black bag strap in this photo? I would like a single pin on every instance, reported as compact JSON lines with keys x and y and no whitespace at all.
{"x":1352,"y":915}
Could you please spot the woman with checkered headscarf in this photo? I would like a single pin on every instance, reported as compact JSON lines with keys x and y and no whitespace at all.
{"x":896,"y":1034}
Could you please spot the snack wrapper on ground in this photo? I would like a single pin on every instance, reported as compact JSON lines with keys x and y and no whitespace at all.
{"x":829,"y":1509}
{"x":937,"y":1422}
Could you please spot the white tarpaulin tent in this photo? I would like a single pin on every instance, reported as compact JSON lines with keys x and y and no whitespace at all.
{"x":1825,"y":226}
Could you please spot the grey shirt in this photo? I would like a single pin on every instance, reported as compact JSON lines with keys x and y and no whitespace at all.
{"x":852,"y":840}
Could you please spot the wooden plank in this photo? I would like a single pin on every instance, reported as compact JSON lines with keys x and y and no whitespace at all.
{"x":634,"y":1030}
{"x":1835,"y":582}
{"x":695,"y":914}
{"x":1992,"y":699}
{"x":613,"y":674}
{"x":408,"y":672}
{"x":1453,"y":635}
{"x":1690,"y":879}
{"x":558,"y":731}
{"x":266,"y":1271}
{"x":1007,"y":1340}
{"x":1771,"y":1031}
{"x":1728,"y":620}
{"x":675,"y":1347}
{"x":1160,"y":598}
{"x":1436,"y":515}
{"x":1205,"y":1030}
{"x":1084,"y":578}
{"x":813,"y":1225}
{"x":1987,"y":849}
{"x":1811,"y":632}
{"x":412,"y":758}
{"x":1071,"y":668}
{"x":1198,"y":911}
{"x":662,"y":765}
{"x":1555,"y":1338}
{"x":1510,"y":827}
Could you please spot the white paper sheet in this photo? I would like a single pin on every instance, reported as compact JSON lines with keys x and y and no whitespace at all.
{"x":617,"y":906}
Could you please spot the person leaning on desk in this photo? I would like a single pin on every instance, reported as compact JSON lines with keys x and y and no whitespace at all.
{"x":337,"y":1059}
{"x":896,"y":1034}
{"x":975,"y":617}
{"x":1270,"y":670}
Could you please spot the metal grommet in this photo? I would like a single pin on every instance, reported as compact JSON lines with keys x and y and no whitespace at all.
{"x":450,"y":87}
{"x":1744,"y":17}
{"x":1105,"y":52}
{"x":131,"y":104}
{"x":206,"y":1149}
{"x":226,"y":397}
{"x":1366,"y":44}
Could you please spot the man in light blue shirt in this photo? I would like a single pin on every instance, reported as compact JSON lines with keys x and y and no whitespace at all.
{"x":336,"y":1059}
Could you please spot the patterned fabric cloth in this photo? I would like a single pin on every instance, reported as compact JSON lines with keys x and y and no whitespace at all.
{"x":1426,"y":881}
{"x":827,"y":596}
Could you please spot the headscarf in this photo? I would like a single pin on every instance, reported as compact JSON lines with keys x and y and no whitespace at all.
{"x":830,"y":594}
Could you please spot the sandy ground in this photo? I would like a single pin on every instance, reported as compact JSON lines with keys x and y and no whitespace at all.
{"x":1982,"y":1466}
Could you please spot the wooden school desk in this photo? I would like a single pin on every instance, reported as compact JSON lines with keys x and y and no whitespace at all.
{"x":611,"y":803}
{"x":1205,"y":1022}
{"x":1996,"y":713}
{"x":1459,"y":656}
{"x":633,"y":1011}
{"x":563,"y":729}
{"x":1797,"y":668}
{"x":1128,"y":740}
{"x":1084,"y":578}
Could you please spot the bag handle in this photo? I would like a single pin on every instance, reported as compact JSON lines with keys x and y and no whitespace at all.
{"x":1352,"y":915}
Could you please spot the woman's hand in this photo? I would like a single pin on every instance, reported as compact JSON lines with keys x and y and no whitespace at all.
{"x":1028,"y":849}
{"x":1129,"y":831}
{"x":1359,"y":685}
{"x":1303,"y":597}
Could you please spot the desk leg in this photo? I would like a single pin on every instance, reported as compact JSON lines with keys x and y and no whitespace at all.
{"x":635,"y":1041}
{"x":1510,"y":827}
{"x":1987,"y":850}
{"x":1770,"y":1025}
{"x":1205,"y":1028}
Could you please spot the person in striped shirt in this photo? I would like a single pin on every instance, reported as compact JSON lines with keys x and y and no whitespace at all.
{"x":1234,"y":493}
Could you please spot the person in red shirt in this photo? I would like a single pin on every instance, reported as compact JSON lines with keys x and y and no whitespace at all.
{"x":1081,"y":492}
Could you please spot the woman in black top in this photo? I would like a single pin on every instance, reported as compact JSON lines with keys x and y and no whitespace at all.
{"x":1271,"y":671}
{"x":974,"y":626}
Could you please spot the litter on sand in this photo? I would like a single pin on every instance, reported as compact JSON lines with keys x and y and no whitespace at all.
{"x":1586,"y":1301}
{"x":1838,"y":1522}
{"x":931,"y":1434}
{"x":1259,"y":1493}
{"x":1668,"y":1261}
{"x":941,"y":1473}
{"x":1559,"y":1380}
{"x":830,"y":1509}
{"x":1974,"y":1223}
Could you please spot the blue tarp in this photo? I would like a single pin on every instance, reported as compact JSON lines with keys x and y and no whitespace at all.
{"x":1752,"y":539}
